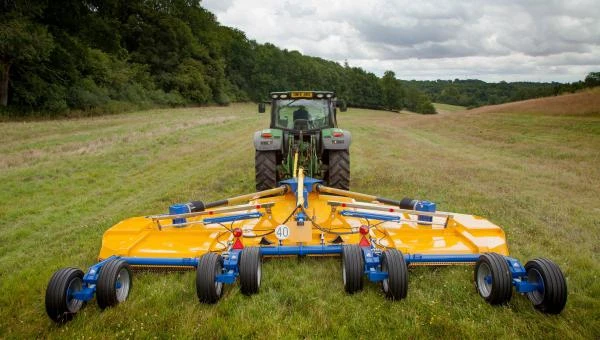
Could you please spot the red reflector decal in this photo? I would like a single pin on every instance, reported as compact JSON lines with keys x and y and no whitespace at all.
{"x":364,"y":242}
{"x":338,"y":134}
{"x":238,"y":244}
{"x":267,"y":135}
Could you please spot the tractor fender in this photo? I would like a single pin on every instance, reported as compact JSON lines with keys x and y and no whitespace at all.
{"x":336,"y":139}
{"x":268,"y":140}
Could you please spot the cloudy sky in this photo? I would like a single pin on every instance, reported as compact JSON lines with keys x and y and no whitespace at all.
{"x":537,"y":40}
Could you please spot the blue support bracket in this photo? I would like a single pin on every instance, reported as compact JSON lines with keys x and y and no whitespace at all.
{"x":371,"y":216}
{"x":309,"y":182}
{"x":427,"y":207}
{"x":519,"y":277}
{"x":177,"y":209}
{"x":232,"y":218}
{"x":372,"y":261}
{"x":231,"y":269}
{"x":300,"y":218}
{"x":89,"y":281}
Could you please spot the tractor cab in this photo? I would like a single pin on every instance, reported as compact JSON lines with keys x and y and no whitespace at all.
{"x":307,"y":111}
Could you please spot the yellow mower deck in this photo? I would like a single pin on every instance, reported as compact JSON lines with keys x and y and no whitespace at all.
{"x":157,"y":237}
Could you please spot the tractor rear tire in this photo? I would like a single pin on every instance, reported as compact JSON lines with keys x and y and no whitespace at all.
{"x":250,"y":270}
{"x":395,"y":286}
{"x":551,"y":299}
{"x":207,"y":287}
{"x":352,"y":268}
{"x":493,"y":279}
{"x":338,"y":174}
{"x":265,"y":169}
{"x":60,"y":305}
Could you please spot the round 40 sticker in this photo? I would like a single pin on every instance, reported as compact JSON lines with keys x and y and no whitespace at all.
{"x":282,"y":232}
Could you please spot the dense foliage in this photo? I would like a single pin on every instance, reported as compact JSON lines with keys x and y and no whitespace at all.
{"x":113,"y":55}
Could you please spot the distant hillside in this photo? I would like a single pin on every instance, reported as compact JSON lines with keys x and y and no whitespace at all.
{"x":583,"y":103}
{"x":475,"y":93}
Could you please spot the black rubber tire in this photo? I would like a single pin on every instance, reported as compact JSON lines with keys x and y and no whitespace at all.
{"x":58,"y":305}
{"x":553,"y":298}
{"x":338,"y":174}
{"x":352,"y":268}
{"x":250,"y":270}
{"x":499,"y":291}
{"x":107,"y":293}
{"x":207,"y":289}
{"x":395,"y":286}
{"x":265,"y":169}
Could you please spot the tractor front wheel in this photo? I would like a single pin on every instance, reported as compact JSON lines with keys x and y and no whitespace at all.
{"x":338,"y":174}
{"x":265,"y":169}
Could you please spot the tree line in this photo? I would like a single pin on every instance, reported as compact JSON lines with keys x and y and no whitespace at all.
{"x":114,"y":55}
{"x":474,"y":93}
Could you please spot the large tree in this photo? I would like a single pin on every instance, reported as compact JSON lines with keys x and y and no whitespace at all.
{"x":21,"y":41}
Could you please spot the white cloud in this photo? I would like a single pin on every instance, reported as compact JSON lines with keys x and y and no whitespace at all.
{"x":538,"y":40}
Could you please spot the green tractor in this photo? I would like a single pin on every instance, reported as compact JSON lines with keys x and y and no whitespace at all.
{"x":303,"y":133}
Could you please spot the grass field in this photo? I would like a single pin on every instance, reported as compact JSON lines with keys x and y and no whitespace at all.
{"x":533,"y":169}
{"x":447,"y":108}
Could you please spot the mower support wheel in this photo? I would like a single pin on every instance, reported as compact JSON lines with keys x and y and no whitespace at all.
{"x":250,"y":270}
{"x":395,"y":286}
{"x":207,"y":288}
{"x":61,"y":306}
{"x":114,"y":283}
{"x":493,"y":279}
{"x":551,"y":295}
{"x":352,"y":268}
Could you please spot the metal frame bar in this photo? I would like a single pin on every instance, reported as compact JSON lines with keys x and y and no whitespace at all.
{"x":232,"y":218}
{"x":213,"y":211}
{"x":388,"y":209}
{"x":300,"y":250}
{"x":366,"y":215}
{"x":371,"y":257}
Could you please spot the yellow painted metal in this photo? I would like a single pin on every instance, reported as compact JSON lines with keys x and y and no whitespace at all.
{"x":356,"y":195}
{"x":295,"y":163}
{"x":450,"y":233}
{"x":245,"y":198}
{"x":300,"y":193}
